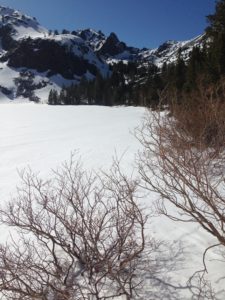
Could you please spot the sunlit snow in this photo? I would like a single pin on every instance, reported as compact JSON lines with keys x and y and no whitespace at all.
{"x":42,"y":136}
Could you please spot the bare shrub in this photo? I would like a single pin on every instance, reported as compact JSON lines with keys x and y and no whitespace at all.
{"x":184,"y":169}
{"x":77,"y":236}
{"x":200,"y":114}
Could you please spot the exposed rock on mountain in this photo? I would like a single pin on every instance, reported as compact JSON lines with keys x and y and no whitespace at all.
{"x":48,"y":56}
{"x":61,"y":59}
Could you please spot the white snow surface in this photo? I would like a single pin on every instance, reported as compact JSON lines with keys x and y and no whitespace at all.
{"x":42,"y":136}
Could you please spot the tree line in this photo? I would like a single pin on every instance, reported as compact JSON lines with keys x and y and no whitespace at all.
{"x":130,"y":84}
{"x":125,"y":86}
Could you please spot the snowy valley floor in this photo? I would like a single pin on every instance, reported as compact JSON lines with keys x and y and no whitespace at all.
{"x":42,"y":137}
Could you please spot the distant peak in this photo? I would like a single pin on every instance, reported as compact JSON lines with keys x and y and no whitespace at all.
{"x":5,"y":9}
{"x":113,"y":37}
{"x":10,"y":12}
{"x":10,"y":15}
{"x":21,"y":25}
{"x":89,"y":33}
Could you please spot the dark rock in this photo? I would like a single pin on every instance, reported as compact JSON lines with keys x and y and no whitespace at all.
{"x":43,"y":55}
{"x":8,"y":42}
{"x":112,"y":46}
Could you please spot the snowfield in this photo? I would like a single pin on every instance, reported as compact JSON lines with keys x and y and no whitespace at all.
{"x":42,"y":136}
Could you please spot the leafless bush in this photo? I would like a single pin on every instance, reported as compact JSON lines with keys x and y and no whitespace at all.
{"x":200,"y":114}
{"x":77,"y":236}
{"x":184,"y":171}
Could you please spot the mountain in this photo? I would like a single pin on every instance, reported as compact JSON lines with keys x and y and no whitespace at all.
{"x":34,"y":60}
{"x":168,"y":51}
{"x":112,"y":50}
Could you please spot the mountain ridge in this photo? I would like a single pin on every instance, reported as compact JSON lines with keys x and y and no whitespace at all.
{"x":48,"y":60}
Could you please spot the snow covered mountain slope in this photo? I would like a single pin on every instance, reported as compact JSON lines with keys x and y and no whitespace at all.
{"x":34,"y":60}
{"x":95,"y":39}
{"x":168,"y":51}
{"x":113,"y":50}
{"x":22,"y":26}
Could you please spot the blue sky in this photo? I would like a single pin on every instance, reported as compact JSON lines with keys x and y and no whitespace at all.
{"x":141,"y":23}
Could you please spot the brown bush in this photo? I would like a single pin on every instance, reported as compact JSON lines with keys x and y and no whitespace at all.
{"x":183,"y":161}
{"x":78,"y":236}
{"x":200,"y":114}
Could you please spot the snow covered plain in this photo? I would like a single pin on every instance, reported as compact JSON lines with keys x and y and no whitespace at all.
{"x":42,"y":137}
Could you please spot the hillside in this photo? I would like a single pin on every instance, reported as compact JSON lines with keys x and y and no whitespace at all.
{"x":34,"y":60}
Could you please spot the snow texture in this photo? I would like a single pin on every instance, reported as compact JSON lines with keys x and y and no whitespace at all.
{"x":42,"y":136}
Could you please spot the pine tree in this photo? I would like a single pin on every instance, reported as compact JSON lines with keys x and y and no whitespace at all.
{"x":53,"y":98}
{"x":216,"y":33}
{"x":196,"y":67}
{"x":180,"y":72}
{"x":63,"y":96}
{"x":98,"y":88}
{"x":50,"y":97}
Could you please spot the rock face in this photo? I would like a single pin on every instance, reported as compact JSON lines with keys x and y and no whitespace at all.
{"x":61,"y":59}
{"x":112,"y":46}
{"x":48,"y":56}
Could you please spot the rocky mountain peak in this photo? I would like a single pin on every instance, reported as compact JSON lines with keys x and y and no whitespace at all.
{"x":113,"y":38}
{"x":53,"y":60}
{"x":21,"y":25}
{"x":112,"y":46}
